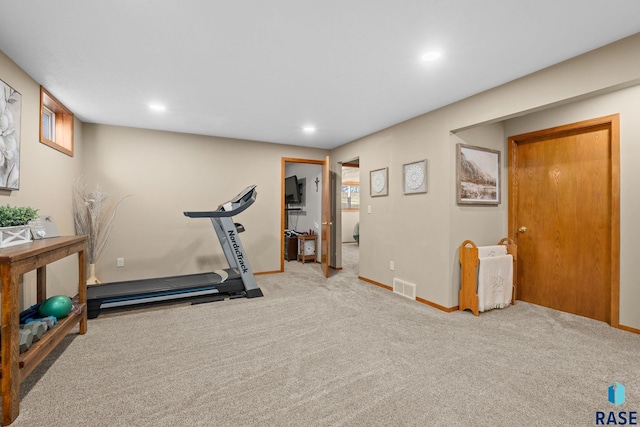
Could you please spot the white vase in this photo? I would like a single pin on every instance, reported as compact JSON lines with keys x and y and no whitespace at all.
{"x":92,"y":279}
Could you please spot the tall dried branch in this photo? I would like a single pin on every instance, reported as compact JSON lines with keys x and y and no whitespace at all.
{"x":93,"y":215}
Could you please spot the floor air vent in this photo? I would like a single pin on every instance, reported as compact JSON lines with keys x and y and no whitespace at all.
{"x":405,"y":289}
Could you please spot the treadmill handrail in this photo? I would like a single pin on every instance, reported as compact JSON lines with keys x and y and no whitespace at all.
{"x":244,"y":201}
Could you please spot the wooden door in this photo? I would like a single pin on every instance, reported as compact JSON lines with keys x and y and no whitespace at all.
{"x":564,"y":216}
{"x":326,"y":218}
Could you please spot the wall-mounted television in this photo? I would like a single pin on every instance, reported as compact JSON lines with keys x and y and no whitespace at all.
{"x":292,"y":190}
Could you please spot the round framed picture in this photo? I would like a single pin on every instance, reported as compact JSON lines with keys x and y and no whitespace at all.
{"x":415,"y":177}
{"x":379,"y":182}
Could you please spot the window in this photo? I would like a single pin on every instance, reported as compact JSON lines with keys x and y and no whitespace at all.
{"x":350,"y":196}
{"x":48,"y":124}
{"x":56,"y":124}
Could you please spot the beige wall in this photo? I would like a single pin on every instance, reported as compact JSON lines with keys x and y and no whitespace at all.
{"x":46,"y":176}
{"x":421,"y":234}
{"x":164,"y":174}
{"x":412,"y":231}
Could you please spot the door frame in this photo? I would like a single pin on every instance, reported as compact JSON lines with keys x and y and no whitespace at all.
{"x":284,"y":162}
{"x":613,"y":124}
{"x":326,"y":220}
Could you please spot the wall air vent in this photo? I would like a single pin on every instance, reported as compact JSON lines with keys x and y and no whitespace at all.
{"x":405,"y":289}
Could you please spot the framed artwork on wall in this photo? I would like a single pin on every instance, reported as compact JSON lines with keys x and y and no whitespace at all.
{"x":477,"y":175}
{"x":379,"y":182}
{"x":415,"y":177}
{"x":10,"y":108}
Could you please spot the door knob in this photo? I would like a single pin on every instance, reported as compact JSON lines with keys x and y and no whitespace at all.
{"x":522,"y":229}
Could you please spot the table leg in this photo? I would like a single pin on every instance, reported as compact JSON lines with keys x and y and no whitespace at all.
{"x":10,"y":343}
{"x":41,"y":283}
{"x":82,"y":290}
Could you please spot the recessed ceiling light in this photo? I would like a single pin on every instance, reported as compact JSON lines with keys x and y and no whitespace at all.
{"x":309,"y":129}
{"x":431,"y":56}
{"x":157,"y":107}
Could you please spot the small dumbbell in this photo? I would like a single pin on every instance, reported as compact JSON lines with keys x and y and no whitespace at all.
{"x":48,"y":322}
{"x":37,"y":329}
{"x":26,"y":339}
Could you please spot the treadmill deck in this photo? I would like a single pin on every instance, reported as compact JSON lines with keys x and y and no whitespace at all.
{"x":132,"y":292}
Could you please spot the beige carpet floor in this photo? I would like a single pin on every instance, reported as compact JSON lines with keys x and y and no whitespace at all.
{"x":332,"y":352}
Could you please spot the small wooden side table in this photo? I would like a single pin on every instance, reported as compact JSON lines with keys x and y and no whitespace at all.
{"x":306,"y":247}
{"x":14,"y":262}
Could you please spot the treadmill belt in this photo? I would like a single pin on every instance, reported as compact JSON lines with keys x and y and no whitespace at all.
{"x":162,"y":285}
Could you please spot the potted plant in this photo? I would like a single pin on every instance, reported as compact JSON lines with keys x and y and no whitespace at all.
{"x":14,"y":220}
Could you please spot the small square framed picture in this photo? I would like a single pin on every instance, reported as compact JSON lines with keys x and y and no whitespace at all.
{"x":414,"y":177}
{"x":379,"y":182}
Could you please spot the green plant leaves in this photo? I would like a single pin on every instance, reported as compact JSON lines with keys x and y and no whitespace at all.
{"x":12,"y":216}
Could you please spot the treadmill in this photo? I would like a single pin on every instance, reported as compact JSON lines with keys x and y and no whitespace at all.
{"x":233,"y":282}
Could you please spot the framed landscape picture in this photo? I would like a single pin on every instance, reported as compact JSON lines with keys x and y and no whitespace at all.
{"x":478,"y":175}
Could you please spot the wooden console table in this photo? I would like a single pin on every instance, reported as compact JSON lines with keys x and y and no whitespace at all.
{"x":14,"y":262}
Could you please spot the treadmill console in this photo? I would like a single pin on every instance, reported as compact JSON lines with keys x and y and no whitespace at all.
{"x":243,"y":197}
{"x":234,"y":206}
{"x":244,"y":194}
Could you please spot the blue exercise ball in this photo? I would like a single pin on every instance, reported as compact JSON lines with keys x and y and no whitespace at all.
{"x":58,"y":306}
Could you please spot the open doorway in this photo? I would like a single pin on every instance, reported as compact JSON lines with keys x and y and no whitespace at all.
{"x":350,"y":214}
{"x":302,"y":199}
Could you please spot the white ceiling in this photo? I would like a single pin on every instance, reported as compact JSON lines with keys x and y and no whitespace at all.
{"x":262,"y":70}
